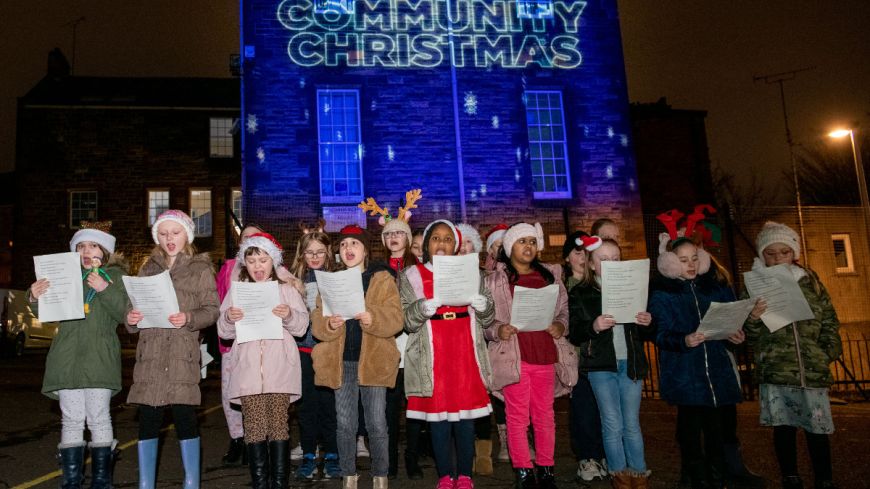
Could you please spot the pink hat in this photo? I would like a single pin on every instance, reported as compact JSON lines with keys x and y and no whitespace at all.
{"x":178,"y":216}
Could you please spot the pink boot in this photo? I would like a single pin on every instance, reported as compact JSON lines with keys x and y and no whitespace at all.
{"x":445,"y":483}
{"x":464,"y":482}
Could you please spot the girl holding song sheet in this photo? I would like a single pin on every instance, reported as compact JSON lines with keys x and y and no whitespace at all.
{"x":793,"y":363}
{"x":697,"y":374}
{"x":167,"y":370}
{"x":83,"y":366}
{"x":358,"y":358}
{"x":446,"y":365}
{"x":529,"y":368}
{"x":265,"y":377}
{"x":612,"y":357}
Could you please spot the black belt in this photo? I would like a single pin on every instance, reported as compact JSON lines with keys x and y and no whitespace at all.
{"x":450,"y":316}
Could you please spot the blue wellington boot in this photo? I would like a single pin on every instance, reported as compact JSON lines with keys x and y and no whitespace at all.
{"x":147,"y":463}
{"x":190,"y":458}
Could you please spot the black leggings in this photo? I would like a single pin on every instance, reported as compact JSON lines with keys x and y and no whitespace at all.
{"x":462,"y":439}
{"x":184,"y":416}
{"x":819,"y":446}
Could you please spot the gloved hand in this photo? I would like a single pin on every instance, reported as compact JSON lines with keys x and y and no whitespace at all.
{"x":479,"y":302}
{"x":430,"y":306}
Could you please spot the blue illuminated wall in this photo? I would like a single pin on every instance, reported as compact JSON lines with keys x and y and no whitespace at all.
{"x":442,"y":89}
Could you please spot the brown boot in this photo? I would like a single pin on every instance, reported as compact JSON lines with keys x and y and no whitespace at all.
{"x":639,"y":480}
{"x":620,"y":480}
{"x":483,"y":457}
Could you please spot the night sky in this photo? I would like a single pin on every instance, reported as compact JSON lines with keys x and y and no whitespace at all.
{"x":700,"y":55}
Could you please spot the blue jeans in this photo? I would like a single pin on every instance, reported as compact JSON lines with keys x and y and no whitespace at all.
{"x":618,"y":400}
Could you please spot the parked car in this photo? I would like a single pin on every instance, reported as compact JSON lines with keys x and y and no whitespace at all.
{"x":21,"y":328}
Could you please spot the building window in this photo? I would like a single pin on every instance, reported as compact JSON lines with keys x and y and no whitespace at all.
{"x":200,"y":212}
{"x":158,"y":202}
{"x":82,"y":207}
{"x":236,"y":203}
{"x":548,"y":147}
{"x":534,"y":9}
{"x":843,"y":253}
{"x":339,"y":141}
{"x":221,"y":137}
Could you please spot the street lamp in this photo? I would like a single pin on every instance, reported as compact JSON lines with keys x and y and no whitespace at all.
{"x":859,"y":172}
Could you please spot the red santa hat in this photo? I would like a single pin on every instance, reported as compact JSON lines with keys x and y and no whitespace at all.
{"x":495,"y":234}
{"x":457,"y":235}
{"x":264,"y":242}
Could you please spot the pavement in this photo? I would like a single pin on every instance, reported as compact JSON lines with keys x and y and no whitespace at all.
{"x":30,"y":431}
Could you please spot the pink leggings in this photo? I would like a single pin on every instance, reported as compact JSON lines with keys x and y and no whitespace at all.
{"x":531,"y":399}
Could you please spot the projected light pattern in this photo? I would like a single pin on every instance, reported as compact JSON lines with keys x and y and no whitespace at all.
{"x":470,"y":103}
{"x":252,"y":124}
{"x":429,"y":33}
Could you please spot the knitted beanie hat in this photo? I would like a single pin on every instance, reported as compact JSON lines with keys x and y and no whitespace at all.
{"x":355,"y":232}
{"x":264,"y":242}
{"x":177,"y":216}
{"x":774,"y":232}
{"x":469,"y":233}
{"x":396,"y":225}
{"x":521,"y":230}
{"x":102,"y":238}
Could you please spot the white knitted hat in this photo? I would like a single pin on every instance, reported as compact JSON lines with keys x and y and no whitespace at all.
{"x":774,"y":232}
{"x":103,"y":239}
{"x":521,"y":230}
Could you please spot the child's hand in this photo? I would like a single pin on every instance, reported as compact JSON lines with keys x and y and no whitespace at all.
{"x":505,"y":331}
{"x":335,"y":322}
{"x":134,"y":316}
{"x":235,"y":314}
{"x":694,"y":339}
{"x":556,"y":330}
{"x":365,"y":319}
{"x":97,"y":282}
{"x":643,"y":319}
{"x":603,"y":322}
{"x":738,"y":337}
{"x":282,"y":311}
{"x":38,"y":288}
{"x":178,"y":319}
{"x":758,"y":310}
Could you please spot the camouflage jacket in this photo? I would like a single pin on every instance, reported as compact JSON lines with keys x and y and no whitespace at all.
{"x":799,"y":354}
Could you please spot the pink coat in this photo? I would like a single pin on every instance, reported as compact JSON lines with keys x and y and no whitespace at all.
{"x":504,"y":356}
{"x":230,"y":271}
{"x":267,"y":366}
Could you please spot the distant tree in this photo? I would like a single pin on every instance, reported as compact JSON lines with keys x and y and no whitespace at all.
{"x":742,"y":202}
{"x":826,"y":172}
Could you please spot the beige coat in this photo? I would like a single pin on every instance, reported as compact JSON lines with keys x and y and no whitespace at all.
{"x":168,"y":360}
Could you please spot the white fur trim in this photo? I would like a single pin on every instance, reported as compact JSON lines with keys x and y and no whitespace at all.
{"x":264,"y":244}
{"x":471,"y":234}
{"x":522,"y":230}
{"x":103,"y":239}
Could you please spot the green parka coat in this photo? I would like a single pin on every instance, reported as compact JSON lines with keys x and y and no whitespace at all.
{"x":86,"y":353}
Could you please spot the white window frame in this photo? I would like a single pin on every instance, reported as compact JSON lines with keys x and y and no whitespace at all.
{"x":353,"y":147}
{"x":220,"y":145}
{"x":148,"y":214}
{"x":77,"y":223}
{"x":234,"y":192}
{"x":847,"y":244}
{"x":543,"y":194}
{"x":202,"y":233}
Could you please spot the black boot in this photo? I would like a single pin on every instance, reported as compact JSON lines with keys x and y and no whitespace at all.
{"x":72,"y":461}
{"x":279,"y":461}
{"x":412,"y":467}
{"x":546,"y":477}
{"x":235,"y":452}
{"x":737,"y":472}
{"x":525,"y":479}
{"x":792,"y":482}
{"x":102,"y":466}
{"x":697,"y":471}
{"x":258,"y":464}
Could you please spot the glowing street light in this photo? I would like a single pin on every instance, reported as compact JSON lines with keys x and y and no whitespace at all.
{"x":859,"y":172}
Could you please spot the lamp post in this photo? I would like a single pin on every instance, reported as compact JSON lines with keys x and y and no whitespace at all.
{"x":859,"y":172}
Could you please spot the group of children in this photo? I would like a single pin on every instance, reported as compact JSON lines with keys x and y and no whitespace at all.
{"x":453,"y":363}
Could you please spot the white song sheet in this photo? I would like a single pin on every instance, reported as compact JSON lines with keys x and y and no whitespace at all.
{"x":456,"y":279}
{"x":64,"y":299}
{"x":154,"y":297}
{"x":534,"y":309}
{"x":724,"y":319}
{"x":624,"y":288}
{"x":256,"y":300}
{"x":785,"y":300}
{"x":341,"y":292}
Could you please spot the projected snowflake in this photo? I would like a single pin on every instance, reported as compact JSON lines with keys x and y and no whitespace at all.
{"x":495,"y":122}
{"x":391,"y":155}
{"x":623,"y":140}
{"x":609,"y":171}
{"x":470,"y":103}
{"x":252,"y":124}
{"x":302,"y":82}
{"x":261,"y":155}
